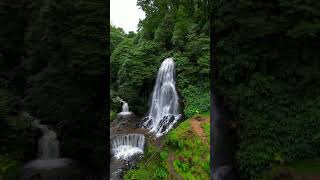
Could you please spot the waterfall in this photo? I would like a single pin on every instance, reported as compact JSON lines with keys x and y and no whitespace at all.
{"x":125,"y":146}
{"x":125,"y":108}
{"x":163,"y":113}
{"x":48,"y":148}
{"x":48,"y":145}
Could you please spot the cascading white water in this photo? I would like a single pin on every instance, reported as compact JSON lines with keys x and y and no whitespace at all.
{"x":48,"y":143}
{"x":125,"y":108}
{"x":125,"y":146}
{"x":48,"y":148}
{"x":163,"y":113}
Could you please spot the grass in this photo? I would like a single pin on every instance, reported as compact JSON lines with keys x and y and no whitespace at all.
{"x":206,"y":127}
{"x":190,"y":156}
{"x":152,"y":166}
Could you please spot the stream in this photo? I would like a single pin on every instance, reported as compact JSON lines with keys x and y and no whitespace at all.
{"x":128,"y":141}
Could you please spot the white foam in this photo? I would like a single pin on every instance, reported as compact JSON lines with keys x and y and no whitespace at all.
{"x":124,"y":113}
{"x":126,"y":151}
{"x":125,"y":146}
{"x":48,"y":163}
{"x":125,"y":108}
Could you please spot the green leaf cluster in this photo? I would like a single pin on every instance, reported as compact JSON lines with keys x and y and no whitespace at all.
{"x":268,"y":77}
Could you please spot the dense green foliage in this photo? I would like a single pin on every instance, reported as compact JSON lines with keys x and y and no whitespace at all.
{"x":183,"y":154}
{"x":269,"y":72}
{"x":52,"y":64}
{"x":171,"y":29}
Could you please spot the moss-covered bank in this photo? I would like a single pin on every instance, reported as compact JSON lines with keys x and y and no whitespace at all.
{"x":183,"y":153}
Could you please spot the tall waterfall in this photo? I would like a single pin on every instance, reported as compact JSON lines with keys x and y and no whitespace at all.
{"x":163,"y":113}
{"x":125,"y":146}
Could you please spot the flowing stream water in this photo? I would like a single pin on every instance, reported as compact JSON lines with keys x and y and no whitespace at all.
{"x":127,"y":142}
{"x":163,"y":112}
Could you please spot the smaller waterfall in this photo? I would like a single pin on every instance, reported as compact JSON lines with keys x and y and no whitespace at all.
{"x":48,"y":148}
{"x":125,"y":146}
{"x":48,"y":143}
{"x":163,"y":113}
{"x":125,"y":108}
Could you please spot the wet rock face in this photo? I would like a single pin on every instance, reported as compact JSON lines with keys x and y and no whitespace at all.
{"x":165,"y":122}
{"x":145,"y":123}
{"x":123,"y":123}
{"x":119,"y":168}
